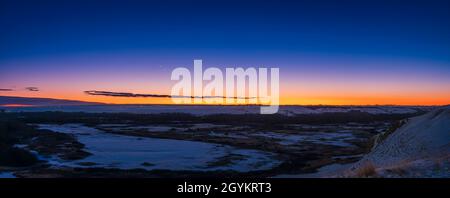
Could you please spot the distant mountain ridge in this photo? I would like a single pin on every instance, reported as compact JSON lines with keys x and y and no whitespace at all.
{"x":12,"y":100}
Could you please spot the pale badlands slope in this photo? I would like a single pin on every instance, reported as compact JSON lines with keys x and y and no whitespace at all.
{"x":420,"y":148}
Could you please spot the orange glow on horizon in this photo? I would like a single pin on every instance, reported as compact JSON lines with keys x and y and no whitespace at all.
{"x":441,"y":99}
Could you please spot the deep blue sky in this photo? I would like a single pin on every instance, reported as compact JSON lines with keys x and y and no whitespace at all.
{"x":417,"y":29}
{"x":372,"y":50}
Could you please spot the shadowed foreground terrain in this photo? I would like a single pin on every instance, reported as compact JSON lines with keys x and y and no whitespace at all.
{"x":77,"y":144}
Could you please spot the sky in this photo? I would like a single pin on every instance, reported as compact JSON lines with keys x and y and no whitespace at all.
{"x":329,"y":52}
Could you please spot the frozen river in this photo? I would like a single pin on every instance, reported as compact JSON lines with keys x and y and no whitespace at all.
{"x":128,"y":152}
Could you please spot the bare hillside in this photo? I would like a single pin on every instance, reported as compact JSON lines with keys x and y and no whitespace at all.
{"x":420,"y":148}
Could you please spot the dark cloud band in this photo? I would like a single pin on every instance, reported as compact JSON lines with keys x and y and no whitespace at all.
{"x":32,"y":88}
{"x":125,"y":94}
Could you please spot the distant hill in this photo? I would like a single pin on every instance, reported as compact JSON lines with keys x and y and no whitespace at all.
{"x":8,"y":100}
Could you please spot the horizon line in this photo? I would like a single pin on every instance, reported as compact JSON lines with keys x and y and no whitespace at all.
{"x":218,"y":104}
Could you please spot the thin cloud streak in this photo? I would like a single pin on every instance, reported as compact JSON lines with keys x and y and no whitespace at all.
{"x":132,"y":95}
{"x":6,"y":89}
{"x":32,"y":88}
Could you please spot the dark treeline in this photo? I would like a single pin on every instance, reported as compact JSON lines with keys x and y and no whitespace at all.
{"x":164,"y":118}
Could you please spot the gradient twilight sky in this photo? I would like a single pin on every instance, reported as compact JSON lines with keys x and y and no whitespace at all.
{"x":328,"y":52}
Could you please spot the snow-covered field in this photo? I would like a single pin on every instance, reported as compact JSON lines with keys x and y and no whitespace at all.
{"x":127,"y":152}
{"x":336,"y":138}
{"x":208,"y":110}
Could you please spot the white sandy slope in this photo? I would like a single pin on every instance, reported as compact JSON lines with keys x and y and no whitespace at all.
{"x":420,"y":148}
